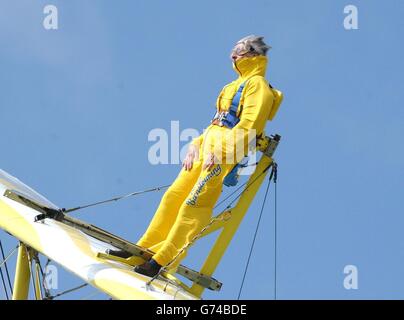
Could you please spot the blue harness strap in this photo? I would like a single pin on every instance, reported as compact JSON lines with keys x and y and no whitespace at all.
{"x":236,"y":99}
{"x":231,"y":119}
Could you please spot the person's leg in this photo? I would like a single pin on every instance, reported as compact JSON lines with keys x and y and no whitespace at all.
{"x":194,"y":213}
{"x":169,"y":207}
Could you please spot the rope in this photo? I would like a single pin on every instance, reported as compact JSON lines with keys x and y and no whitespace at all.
{"x":6,"y":267}
{"x":275,"y":235}
{"x":4,"y":284}
{"x":44,"y":285}
{"x":31,"y":270}
{"x":245,"y":183}
{"x":43,"y":282}
{"x":256,"y":231}
{"x":8,"y":257}
{"x":67,"y":291}
{"x":114,"y":199}
{"x":47,"y":292}
{"x":229,"y":196}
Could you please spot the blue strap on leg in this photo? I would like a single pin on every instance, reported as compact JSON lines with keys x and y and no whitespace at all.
{"x":231,"y":178}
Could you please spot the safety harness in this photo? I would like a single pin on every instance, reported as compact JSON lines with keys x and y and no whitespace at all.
{"x":230,"y":119}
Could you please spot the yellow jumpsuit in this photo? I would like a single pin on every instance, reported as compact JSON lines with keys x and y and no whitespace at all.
{"x":187,"y":205}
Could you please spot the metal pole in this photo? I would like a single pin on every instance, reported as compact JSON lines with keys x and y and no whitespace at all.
{"x":38,"y":291}
{"x":230,"y":228}
{"x":22,"y":274}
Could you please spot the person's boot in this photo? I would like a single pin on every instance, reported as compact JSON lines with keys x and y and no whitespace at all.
{"x":118,"y":253}
{"x":149,"y":268}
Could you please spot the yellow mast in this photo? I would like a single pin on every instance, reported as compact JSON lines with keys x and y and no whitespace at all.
{"x":235,"y":215}
{"x":22,"y":274}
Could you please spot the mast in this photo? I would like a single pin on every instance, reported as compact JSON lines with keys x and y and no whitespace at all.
{"x":235,"y":215}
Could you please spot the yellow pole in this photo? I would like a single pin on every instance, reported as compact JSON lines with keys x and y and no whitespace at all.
{"x":231,"y":226}
{"x":22,"y":274}
{"x":38,"y":293}
{"x":36,"y":275}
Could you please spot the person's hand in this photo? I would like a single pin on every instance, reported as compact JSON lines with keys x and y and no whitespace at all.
{"x":210,"y":161}
{"x":192,"y":153}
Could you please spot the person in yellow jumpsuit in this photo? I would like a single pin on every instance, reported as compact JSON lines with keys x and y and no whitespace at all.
{"x":187,"y":205}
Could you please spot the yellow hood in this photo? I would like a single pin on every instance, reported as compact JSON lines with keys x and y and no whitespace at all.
{"x":250,"y":66}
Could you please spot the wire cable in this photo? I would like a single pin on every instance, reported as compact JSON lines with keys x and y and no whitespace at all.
{"x":6,"y":268}
{"x":44,"y":284}
{"x":255,"y":235}
{"x":8,"y":256}
{"x":244,"y":184}
{"x":275,"y":239}
{"x":114,"y":199}
{"x":4,"y":284}
{"x":67,"y":291}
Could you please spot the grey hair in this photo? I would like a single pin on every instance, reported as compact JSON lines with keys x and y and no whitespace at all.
{"x":255,"y":43}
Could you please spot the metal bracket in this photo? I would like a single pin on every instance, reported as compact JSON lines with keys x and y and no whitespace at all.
{"x":268,"y":145}
{"x":199,"y":278}
{"x":25,"y":200}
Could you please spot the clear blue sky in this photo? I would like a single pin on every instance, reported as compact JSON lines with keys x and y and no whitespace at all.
{"x":77,"y":104}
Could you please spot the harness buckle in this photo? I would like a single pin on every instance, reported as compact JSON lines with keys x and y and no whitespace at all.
{"x":222,"y":116}
{"x":219,"y":118}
